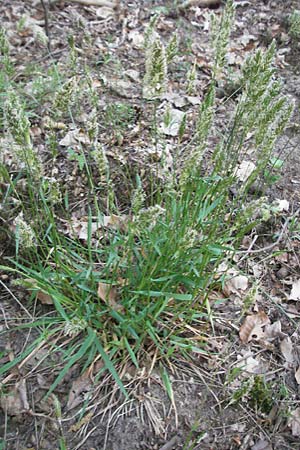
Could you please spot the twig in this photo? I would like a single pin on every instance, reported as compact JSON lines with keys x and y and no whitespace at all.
{"x":109,"y":4}
{"x":46,"y":17}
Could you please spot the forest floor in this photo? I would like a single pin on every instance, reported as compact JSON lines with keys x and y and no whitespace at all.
{"x":215,"y":406}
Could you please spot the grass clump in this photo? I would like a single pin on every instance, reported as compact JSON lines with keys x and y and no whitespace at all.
{"x":138,"y":272}
{"x":294,"y":24}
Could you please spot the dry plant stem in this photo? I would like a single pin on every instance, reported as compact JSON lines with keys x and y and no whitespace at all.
{"x":254,"y":419}
{"x":111,"y":419}
{"x":11,"y":375}
{"x":79,"y":446}
{"x":46,"y":15}
{"x":95,"y":3}
{"x":4,"y":318}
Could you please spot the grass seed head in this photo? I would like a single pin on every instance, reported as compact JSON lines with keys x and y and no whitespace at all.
{"x":64,"y":98}
{"x":156,"y":70}
{"x":75,"y":326}
{"x":24,"y":233}
{"x":101,"y":162}
{"x":138,"y":199}
{"x":148,"y":217}
{"x":18,"y":127}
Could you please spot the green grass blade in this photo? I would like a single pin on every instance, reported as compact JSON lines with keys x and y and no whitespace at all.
{"x":75,"y":358}
{"x":109,"y":365}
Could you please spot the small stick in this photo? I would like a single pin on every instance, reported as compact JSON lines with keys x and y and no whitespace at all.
{"x":108,"y":3}
{"x":46,"y":16}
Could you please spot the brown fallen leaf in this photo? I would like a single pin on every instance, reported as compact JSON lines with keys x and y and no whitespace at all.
{"x":109,"y":294}
{"x":297,"y":375}
{"x":287,"y":350}
{"x":295,"y":292}
{"x":235,"y":283}
{"x":294,"y":422}
{"x":105,"y":12}
{"x":79,"y":227}
{"x":262,"y":444}
{"x":244,"y":170}
{"x":249,"y":364}
{"x":273,"y":331}
{"x":252,"y":328}
{"x":80,"y":389}
{"x":31,"y":284}
{"x":45,"y":299}
{"x":15,"y":401}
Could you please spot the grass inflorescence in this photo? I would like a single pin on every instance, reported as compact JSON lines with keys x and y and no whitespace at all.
{"x":137,"y":281}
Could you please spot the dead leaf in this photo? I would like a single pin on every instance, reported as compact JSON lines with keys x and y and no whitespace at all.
{"x":286,"y":347}
{"x":194,"y":100}
{"x":179,"y":101}
{"x":133,"y":75}
{"x":249,"y":364}
{"x":69,"y":139}
{"x":108,"y":294}
{"x":235,"y":283}
{"x":297,"y":375}
{"x":45,"y":299}
{"x":282,"y":205}
{"x":262,"y":444}
{"x":273,"y":331}
{"x":295,"y":292}
{"x":244,"y":170}
{"x":104,"y":12}
{"x":294,"y":422}
{"x":175,"y":119}
{"x":79,"y":227}
{"x":122,"y":87}
{"x":252,"y":327}
{"x":137,"y":39}
{"x":15,"y":401}
{"x":80,"y":389}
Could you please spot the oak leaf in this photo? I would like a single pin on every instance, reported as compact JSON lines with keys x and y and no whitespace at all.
{"x":252,"y":328}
